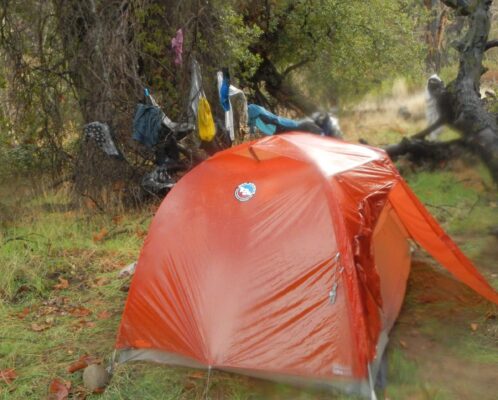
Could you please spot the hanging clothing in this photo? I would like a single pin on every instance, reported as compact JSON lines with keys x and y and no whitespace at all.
{"x":224,"y":93}
{"x":101,"y":134}
{"x":268,"y":123}
{"x":207,"y":130}
{"x":239,"y":102}
{"x":177,"y":46}
{"x":195,"y":90}
{"x":224,"y":89}
{"x":147,"y":124}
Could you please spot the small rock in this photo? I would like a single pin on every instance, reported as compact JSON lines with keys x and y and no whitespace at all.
{"x":128,"y":270}
{"x":95,"y":377}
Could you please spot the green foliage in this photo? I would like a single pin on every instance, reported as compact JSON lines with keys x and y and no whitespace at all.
{"x":345,"y":47}
{"x":455,"y":202}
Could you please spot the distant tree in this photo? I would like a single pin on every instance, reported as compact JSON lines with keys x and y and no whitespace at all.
{"x":316,"y":51}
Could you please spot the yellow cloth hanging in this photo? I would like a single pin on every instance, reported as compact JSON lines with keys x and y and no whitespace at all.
{"x":205,"y":121}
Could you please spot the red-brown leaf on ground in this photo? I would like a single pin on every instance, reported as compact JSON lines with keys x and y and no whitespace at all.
{"x":117,"y":219}
{"x":89,"y":203}
{"x":403,"y":344}
{"x":141,"y":233}
{"x":63,"y":284}
{"x":59,"y":389}
{"x":83,"y":362}
{"x":97,"y":237}
{"x":100,"y":282}
{"x":39,"y":327}
{"x":8,"y":375}
{"x":197,"y":375}
{"x":104,"y":315}
{"x":474,"y":327}
{"x":23,"y":313}
{"x":79,"y":393}
{"x":80,"y":312}
{"x":83,"y":323}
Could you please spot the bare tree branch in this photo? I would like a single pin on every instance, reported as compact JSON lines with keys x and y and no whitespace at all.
{"x":427,"y":131}
{"x":491,"y":44}
{"x":288,"y":70}
{"x":462,"y":6}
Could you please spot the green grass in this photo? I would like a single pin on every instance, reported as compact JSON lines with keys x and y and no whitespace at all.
{"x":457,"y":205}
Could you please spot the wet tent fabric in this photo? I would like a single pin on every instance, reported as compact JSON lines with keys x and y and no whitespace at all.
{"x":284,"y":258}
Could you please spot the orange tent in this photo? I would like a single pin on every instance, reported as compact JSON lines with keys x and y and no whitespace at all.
{"x":286,"y":258}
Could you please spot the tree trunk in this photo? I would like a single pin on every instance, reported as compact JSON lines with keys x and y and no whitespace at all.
{"x":476,"y":124}
{"x":464,"y":109}
{"x":101,"y":65}
{"x":282,"y":91}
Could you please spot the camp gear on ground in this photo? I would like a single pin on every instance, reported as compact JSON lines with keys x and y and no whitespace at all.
{"x":101,"y":133}
{"x":328,"y":123}
{"x":195,"y":90}
{"x":207,"y":130}
{"x":147,"y":124}
{"x":177,"y":46}
{"x":286,"y":258}
{"x":157,"y":180}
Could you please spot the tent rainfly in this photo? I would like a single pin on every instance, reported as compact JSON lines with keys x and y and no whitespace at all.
{"x":285,"y":258}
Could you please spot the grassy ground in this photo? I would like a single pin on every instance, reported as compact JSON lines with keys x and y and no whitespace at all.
{"x":61,"y":297}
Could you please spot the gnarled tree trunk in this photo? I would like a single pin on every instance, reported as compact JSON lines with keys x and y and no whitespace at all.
{"x":467,"y":113}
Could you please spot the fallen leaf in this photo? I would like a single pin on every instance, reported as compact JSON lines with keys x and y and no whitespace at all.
{"x":100,"y":282}
{"x":141,"y":233}
{"x":8,"y":375}
{"x":100,"y":235}
{"x":104,"y":315}
{"x":80,"y":312}
{"x":79,"y":393}
{"x":59,"y":389}
{"x":197,"y":375}
{"x":117,"y":219}
{"x":490,"y":315}
{"x":63,"y":284}
{"x":83,"y":362}
{"x":23,"y":313}
{"x":39,"y":327}
{"x":403,"y":344}
{"x":83,"y":323}
{"x":90,"y":203}
{"x":474,"y":326}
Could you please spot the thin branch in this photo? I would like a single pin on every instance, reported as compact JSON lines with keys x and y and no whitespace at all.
{"x":463,"y":7}
{"x":431,"y":128}
{"x":288,"y":70}
{"x":491,"y":44}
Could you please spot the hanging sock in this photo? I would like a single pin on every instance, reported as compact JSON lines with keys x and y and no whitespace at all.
{"x":177,"y":46}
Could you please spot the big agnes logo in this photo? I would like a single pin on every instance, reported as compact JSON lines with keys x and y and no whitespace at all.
{"x":245,"y":191}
